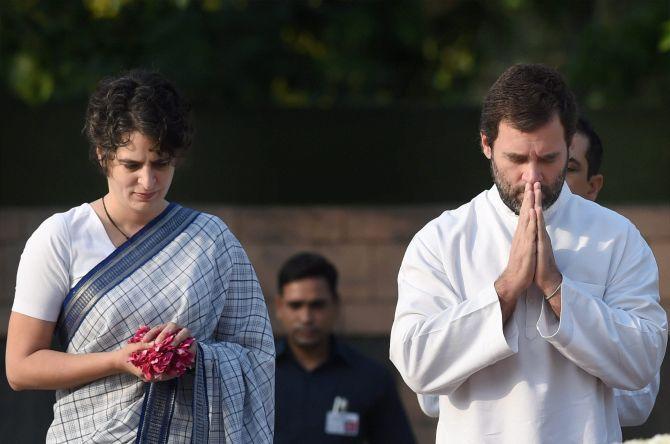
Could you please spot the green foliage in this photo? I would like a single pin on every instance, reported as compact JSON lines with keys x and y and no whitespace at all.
{"x":325,"y":54}
{"x":29,"y":80}
{"x":664,"y":44}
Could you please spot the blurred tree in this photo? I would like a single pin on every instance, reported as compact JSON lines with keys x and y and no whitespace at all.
{"x":664,"y":43}
{"x":324,"y":54}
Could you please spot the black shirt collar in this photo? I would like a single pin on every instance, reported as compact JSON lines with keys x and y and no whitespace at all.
{"x":339,"y":352}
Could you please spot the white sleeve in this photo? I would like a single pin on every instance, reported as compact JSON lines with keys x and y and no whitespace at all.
{"x":634,"y":407}
{"x":43,"y":277}
{"x":619,"y":335}
{"x":440,"y":338}
{"x":430,"y":405}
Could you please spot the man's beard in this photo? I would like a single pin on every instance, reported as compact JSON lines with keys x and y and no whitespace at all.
{"x":509,"y":194}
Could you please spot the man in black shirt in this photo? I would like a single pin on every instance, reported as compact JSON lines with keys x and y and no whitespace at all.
{"x":326,"y":392}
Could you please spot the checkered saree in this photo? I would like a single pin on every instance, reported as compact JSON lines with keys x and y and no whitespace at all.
{"x":184,"y":267}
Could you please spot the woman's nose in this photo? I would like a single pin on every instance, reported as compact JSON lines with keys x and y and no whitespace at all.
{"x":147,"y":177}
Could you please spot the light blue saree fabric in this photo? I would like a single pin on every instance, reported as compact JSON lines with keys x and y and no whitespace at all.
{"x":184,"y":267}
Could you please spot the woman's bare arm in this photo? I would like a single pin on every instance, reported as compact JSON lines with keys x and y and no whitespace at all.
{"x":32,"y":365}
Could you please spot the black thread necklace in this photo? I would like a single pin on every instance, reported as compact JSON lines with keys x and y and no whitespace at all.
{"x":112,"y":220}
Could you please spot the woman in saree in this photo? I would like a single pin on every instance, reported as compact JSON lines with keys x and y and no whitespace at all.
{"x":94,"y":274}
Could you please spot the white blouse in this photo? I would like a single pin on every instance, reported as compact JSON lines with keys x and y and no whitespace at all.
{"x":57,"y":255}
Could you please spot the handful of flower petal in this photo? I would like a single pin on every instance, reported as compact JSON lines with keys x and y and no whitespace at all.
{"x":162,"y":357}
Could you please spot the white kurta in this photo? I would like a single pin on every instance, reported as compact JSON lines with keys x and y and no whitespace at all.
{"x":537,"y":379}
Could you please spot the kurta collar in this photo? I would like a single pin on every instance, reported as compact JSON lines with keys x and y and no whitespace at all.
{"x":560,"y":204}
{"x":494,"y":197}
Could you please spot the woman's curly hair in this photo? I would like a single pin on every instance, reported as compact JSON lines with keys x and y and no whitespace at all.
{"x":142,"y":101}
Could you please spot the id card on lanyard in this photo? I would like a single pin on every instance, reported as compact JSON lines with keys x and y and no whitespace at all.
{"x":341,"y":422}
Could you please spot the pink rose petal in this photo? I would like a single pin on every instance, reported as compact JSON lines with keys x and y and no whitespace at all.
{"x":139,"y":334}
{"x":162,"y":357}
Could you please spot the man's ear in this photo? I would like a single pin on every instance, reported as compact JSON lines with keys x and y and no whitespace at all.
{"x":596,"y":183}
{"x":486,"y":146}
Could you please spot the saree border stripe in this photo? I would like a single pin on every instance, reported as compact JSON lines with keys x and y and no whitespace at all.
{"x":157,"y":411}
{"x":125,"y":260}
{"x":200,"y":402}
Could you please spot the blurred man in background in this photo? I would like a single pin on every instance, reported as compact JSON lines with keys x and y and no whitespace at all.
{"x":326,"y":392}
{"x":586,"y":154}
{"x":584,"y":179}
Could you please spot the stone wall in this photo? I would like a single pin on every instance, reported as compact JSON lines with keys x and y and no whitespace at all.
{"x":365,"y":243}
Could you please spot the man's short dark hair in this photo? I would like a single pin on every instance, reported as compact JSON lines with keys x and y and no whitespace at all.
{"x":594,"y":151}
{"x":308,"y":265}
{"x":527,"y":96}
{"x":142,"y":101}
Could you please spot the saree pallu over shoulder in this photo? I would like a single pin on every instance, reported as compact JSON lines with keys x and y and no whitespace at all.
{"x":184,"y":267}
{"x":130,"y":256}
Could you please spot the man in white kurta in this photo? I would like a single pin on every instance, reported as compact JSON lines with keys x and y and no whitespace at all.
{"x":535,"y":370}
